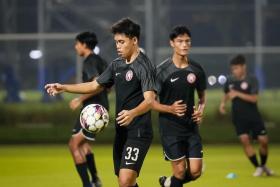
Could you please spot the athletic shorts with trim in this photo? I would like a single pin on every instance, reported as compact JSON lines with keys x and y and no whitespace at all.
{"x":254,"y":128}
{"x":179,"y":147}
{"x":78,"y":128}
{"x":130,"y":153}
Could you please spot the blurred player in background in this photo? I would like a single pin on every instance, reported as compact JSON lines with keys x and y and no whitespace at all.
{"x":93,"y":66}
{"x":242,"y":90}
{"x":133,"y":76}
{"x":177,"y":79}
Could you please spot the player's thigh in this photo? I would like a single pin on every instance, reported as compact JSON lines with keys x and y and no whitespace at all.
{"x":245,"y":139}
{"x":263,"y":140}
{"x":134,"y":153}
{"x":76,"y":140}
{"x":195,"y":165}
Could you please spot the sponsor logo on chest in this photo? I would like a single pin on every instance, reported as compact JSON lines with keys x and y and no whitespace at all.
{"x":244,"y":85}
{"x":191,"y":78}
{"x":129,"y":75}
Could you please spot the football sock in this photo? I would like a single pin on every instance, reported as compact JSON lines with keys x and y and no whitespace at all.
{"x":82,"y":170}
{"x":187,"y":177}
{"x":263,"y":159}
{"x":91,"y":166}
{"x":175,"y":182}
{"x":254,"y":160}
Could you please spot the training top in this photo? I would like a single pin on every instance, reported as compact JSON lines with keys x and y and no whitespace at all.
{"x":131,"y":81}
{"x":175,"y":84}
{"x":242,"y":109}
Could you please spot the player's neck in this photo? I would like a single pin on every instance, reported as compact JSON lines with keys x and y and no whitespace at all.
{"x":133,"y":56}
{"x":242,"y":77}
{"x":180,"y":61}
{"x":87,"y":53}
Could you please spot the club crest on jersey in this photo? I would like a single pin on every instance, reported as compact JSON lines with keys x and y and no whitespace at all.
{"x":191,"y":78}
{"x":244,"y":85}
{"x":129,"y":75}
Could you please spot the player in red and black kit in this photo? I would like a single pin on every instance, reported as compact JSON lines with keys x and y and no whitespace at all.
{"x":133,"y":76}
{"x":242,"y":90}
{"x":177,"y":80}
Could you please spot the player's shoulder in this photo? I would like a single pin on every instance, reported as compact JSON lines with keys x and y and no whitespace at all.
{"x":251,"y":78}
{"x":143,"y":63}
{"x":197,"y":66}
{"x":163,"y":65}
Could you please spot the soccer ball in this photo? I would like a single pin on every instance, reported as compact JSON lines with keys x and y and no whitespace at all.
{"x":94,"y":118}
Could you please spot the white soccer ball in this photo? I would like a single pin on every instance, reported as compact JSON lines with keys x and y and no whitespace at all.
{"x":94,"y":118}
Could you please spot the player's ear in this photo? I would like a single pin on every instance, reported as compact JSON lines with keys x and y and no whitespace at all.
{"x":171,"y":43}
{"x":135,"y":40}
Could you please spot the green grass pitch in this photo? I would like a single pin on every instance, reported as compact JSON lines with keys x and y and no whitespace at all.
{"x":51,"y":166}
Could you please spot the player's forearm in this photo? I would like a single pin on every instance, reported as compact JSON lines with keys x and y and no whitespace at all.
{"x":87,"y":96}
{"x":201,"y":100}
{"x":248,"y":97}
{"x":160,"y":107}
{"x":83,"y":88}
{"x":145,"y":105}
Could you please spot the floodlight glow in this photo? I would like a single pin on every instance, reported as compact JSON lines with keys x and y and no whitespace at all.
{"x":222,"y":79}
{"x":212,"y":80}
{"x":35,"y":54}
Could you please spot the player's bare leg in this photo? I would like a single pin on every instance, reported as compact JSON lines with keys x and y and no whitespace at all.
{"x":194,"y":167}
{"x":79,"y":157}
{"x":263,"y":150}
{"x":251,"y":154}
{"x":127,"y":178}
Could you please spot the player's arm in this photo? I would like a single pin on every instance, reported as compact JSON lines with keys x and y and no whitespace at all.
{"x":222,"y":107}
{"x":253,"y":98}
{"x":125,"y":117}
{"x":177,"y":108}
{"x":198,"y":112}
{"x":83,"y":88}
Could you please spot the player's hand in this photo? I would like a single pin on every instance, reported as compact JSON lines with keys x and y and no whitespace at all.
{"x":75,"y":103}
{"x":197,"y":115}
{"x":125,"y":117}
{"x":178,"y":108}
{"x":222,"y":109}
{"x":54,"y":89}
{"x":232,"y":94}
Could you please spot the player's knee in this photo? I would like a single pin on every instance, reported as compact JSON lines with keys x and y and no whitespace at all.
{"x":180,"y":172}
{"x":195,"y":174}
{"x":124,"y":182}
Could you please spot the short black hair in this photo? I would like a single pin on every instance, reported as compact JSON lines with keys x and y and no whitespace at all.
{"x":179,"y":30}
{"x":128,"y":27}
{"x":238,"y":60}
{"x":88,"y":38}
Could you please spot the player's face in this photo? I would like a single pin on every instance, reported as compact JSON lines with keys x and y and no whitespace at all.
{"x":125,"y":45}
{"x":238,"y":71}
{"x":181,"y":44}
{"x":80,"y":48}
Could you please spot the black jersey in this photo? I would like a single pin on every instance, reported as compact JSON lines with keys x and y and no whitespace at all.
{"x":93,"y":66}
{"x":175,"y":84}
{"x":131,"y":81}
{"x":242,"y":109}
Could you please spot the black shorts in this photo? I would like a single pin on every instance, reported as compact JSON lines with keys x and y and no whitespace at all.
{"x":179,"y":147}
{"x":253,"y":128}
{"x":78,"y":128}
{"x":130,"y":153}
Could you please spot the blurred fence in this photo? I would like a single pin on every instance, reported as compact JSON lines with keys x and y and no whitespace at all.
{"x":219,"y":28}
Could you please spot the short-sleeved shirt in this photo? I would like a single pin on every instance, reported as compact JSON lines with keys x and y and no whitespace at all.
{"x":175,"y":84}
{"x":93,"y":66}
{"x":242,"y":109}
{"x":131,"y":81}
